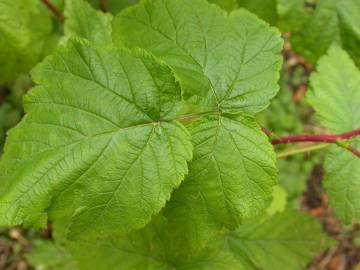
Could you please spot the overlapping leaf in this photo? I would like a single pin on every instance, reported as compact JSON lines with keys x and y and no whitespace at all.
{"x":151,"y":249}
{"x":224,"y":64}
{"x":230,"y":177}
{"x":228,"y":62}
{"x":100,"y":138}
{"x":335,"y":95}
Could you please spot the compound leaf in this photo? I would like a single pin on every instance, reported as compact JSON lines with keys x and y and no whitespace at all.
{"x":100,"y":140}
{"x":335,"y":95}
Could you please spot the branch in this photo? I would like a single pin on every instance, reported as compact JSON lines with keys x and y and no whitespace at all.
{"x":324,"y":138}
{"x":353,"y":150}
{"x":304,"y":148}
{"x":53,"y":10}
{"x":316,"y":138}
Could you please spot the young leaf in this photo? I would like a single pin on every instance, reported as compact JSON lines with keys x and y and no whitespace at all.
{"x":226,"y":63}
{"x":286,"y":241}
{"x":85,"y":22}
{"x":100,"y":138}
{"x":335,"y":95}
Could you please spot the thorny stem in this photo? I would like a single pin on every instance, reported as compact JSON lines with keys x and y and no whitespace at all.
{"x":53,"y":10}
{"x":325,"y":138}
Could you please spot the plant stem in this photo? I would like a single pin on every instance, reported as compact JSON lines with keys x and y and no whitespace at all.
{"x":302,"y":149}
{"x":316,"y":138}
{"x":353,"y":150}
{"x":325,"y":138}
{"x":53,"y":10}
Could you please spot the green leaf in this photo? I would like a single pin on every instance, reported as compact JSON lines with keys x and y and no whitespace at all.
{"x":227,"y":5}
{"x":230,"y":178}
{"x":46,"y":255}
{"x":226,"y":63}
{"x":287,"y":241}
{"x":278,"y":202}
{"x":85,"y":22}
{"x":100,"y":141}
{"x":264,"y":9}
{"x":314,"y":28}
{"x":25,"y":37}
{"x":148,"y":249}
{"x":335,"y":95}
{"x":349,"y":19}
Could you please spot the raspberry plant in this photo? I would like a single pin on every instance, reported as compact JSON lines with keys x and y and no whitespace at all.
{"x":140,"y":142}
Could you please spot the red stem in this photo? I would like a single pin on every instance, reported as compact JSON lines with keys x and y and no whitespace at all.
{"x":353,"y":150}
{"x":53,"y":9}
{"x":319,"y":138}
{"x":316,"y":138}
